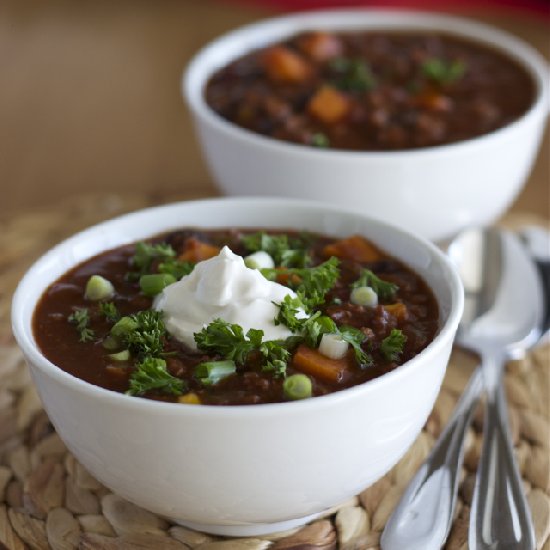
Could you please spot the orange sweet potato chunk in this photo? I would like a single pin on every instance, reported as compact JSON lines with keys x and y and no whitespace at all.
{"x":328,"y":105}
{"x":317,"y":365}
{"x":398,"y":310}
{"x":283,"y":65}
{"x":197,"y":251}
{"x":320,"y":45}
{"x":353,"y":248}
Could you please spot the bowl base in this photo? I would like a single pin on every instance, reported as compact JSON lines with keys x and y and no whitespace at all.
{"x":247,"y":529}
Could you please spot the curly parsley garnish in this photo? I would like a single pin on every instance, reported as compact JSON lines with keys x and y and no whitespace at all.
{"x":310,"y":330}
{"x":151,"y":374}
{"x":142,"y":333}
{"x":352,"y":75}
{"x":311,"y":284}
{"x":109,"y":311}
{"x":230,"y":341}
{"x":144,"y":256}
{"x":284,"y":251}
{"x":384,"y":289}
{"x":392,"y":346}
{"x":443,"y":71}
{"x":81,"y":319}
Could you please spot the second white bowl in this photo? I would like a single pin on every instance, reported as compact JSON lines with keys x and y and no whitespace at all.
{"x":433,"y":192}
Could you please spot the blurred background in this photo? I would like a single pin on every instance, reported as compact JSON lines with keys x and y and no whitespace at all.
{"x":90,"y":92}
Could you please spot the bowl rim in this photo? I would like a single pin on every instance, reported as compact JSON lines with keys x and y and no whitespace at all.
{"x":23,"y":332}
{"x":195,"y":76}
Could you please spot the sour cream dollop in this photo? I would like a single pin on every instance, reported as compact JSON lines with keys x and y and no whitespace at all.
{"x":222,"y":287}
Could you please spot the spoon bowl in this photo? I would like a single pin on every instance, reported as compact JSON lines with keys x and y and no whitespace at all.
{"x":503,"y":305}
{"x":502,"y":317}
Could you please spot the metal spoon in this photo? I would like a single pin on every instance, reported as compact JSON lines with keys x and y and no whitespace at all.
{"x":502,"y":317}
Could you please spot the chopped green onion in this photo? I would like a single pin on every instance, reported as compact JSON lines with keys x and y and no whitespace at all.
{"x":333,"y":346}
{"x":259,"y":260}
{"x":151,"y":285}
{"x":297,"y":386}
{"x":98,"y":288}
{"x":384,"y":289}
{"x":364,"y":296}
{"x":123,"y":327}
{"x":211,"y":372}
{"x":123,"y":355}
{"x":111,"y":343}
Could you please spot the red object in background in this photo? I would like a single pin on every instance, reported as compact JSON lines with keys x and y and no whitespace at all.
{"x":533,"y":7}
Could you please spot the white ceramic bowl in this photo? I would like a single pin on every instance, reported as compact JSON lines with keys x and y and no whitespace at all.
{"x":241,"y":470}
{"x":433,"y":192}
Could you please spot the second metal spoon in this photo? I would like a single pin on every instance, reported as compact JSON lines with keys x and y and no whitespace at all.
{"x":502,"y":317}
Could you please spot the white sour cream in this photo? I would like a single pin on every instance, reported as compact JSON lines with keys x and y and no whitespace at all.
{"x":222,"y":287}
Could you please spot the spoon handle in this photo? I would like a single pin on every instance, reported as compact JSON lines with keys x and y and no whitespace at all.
{"x":424,"y":515}
{"x":500,"y":516}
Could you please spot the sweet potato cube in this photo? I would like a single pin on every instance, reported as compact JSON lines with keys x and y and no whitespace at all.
{"x":320,"y":45}
{"x":398,"y":310}
{"x":328,"y":105}
{"x":283,"y":65}
{"x":197,"y":251}
{"x":312,"y":362}
{"x":353,"y":248}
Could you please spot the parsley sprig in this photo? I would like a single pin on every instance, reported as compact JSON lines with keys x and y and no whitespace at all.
{"x":311,"y":329}
{"x":443,"y":71}
{"x":352,"y":75}
{"x":147,"y":336}
{"x":311,"y":284}
{"x":144,"y":256}
{"x":392,"y":346}
{"x":151,"y":374}
{"x":81,"y":319}
{"x":109,"y":311}
{"x":284,"y":251}
{"x":230,"y":341}
{"x":384,"y":289}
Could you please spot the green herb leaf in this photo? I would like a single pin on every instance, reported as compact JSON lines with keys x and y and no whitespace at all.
{"x":443,"y":71}
{"x":352,"y":75}
{"x":355,"y":338}
{"x":311,"y":330}
{"x":288,"y":312}
{"x":151,"y":374}
{"x":392,"y":346}
{"x":81,"y":319}
{"x":228,"y":340}
{"x":176,"y":268}
{"x":276,"y":357}
{"x":319,"y":140}
{"x":317,"y":281}
{"x":109,"y":311}
{"x":313,"y":282}
{"x":211,"y":372}
{"x":146,"y":334}
{"x":144,"y":256}
{"x":384,"y":289}
{"x":283,"y":252}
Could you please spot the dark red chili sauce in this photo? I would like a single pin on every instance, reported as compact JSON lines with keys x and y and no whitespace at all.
{"x":372,"y":91}
{"x":411,"y":309}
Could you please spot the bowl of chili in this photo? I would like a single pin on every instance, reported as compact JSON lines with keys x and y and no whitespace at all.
{"x":173,"y":429}
{"x":428,"y":121}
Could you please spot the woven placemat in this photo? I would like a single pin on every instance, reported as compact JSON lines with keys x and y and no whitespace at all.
{"x":48,"y":500}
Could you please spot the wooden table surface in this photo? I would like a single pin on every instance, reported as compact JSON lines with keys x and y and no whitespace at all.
{"x":90,"y":101}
